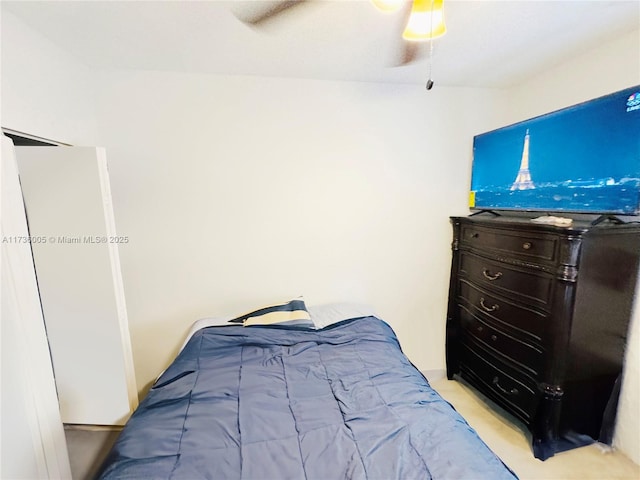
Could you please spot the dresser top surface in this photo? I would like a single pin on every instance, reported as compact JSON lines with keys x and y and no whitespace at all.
{"x":578,"y":226}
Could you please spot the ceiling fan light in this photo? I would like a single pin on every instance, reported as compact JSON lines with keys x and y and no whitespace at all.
{"x":426,"y":21}
{"x":387,"y":6}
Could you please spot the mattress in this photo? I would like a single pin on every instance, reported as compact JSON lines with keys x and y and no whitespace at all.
{"x":279,"y":402}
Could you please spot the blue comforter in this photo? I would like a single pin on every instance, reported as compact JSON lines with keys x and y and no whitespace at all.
{"x":279,"y":403}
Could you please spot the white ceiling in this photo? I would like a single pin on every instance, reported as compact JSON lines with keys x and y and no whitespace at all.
{"x":488,"y":43}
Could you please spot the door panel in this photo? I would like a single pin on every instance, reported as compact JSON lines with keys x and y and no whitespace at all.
{"x":67,"y":199}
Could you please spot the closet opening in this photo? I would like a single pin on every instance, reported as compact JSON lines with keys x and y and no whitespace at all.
{"x":21,"y":139}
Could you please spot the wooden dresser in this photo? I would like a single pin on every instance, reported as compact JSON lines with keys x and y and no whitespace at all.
{"x":537,"y":321}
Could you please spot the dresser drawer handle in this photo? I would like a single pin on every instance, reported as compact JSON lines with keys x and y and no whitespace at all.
{"x":486,"y":308}
{"x":527,"y":245}
{"x":496,"y":383}
{"x":487,"y":274}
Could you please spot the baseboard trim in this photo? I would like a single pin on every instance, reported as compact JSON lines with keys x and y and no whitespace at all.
{"x":93,"y":428}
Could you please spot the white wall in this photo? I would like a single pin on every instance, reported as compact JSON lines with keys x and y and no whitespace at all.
{"x":45,"y":91}
{"x":609,"y":68}
{"x":237,"y":191}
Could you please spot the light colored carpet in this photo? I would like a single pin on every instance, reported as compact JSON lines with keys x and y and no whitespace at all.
{"x":87,"y":449}
{"x":507,"y":438}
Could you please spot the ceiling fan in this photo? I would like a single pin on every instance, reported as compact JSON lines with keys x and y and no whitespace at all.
{"x":422,"y":21}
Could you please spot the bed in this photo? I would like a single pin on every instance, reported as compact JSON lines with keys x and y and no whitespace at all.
{"x":287,"y":400}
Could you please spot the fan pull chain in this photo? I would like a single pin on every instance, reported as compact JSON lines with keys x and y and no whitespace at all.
{"x":430,"y":81}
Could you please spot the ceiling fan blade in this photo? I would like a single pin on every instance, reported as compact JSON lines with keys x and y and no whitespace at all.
{"x":274,"y":9}
{"x":408,"y":51}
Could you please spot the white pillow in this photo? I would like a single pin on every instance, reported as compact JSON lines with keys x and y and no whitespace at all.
{"x":330,"y":313}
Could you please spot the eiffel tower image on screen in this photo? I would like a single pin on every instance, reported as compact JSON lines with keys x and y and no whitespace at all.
{"x":523,"y":180}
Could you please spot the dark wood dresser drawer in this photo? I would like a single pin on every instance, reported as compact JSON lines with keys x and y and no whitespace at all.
{"x":527,"y":323}
{"x":507,"y":387}
{"x":537,"y":319}
{"x":531,"y":286}
{"x":509,"y":242}
{"x":525,"y":356}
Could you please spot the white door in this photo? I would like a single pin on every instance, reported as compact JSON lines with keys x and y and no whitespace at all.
{"x":75,"y":249}
{"x":33,"y":440}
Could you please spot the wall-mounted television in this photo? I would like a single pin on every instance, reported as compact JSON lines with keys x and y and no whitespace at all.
{"x":581,"y":159}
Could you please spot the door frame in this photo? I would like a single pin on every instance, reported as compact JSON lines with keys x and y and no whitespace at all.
{"x":38,"y":390}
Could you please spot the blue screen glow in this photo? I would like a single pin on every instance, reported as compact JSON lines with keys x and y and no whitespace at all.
{"x":584,"y":158}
